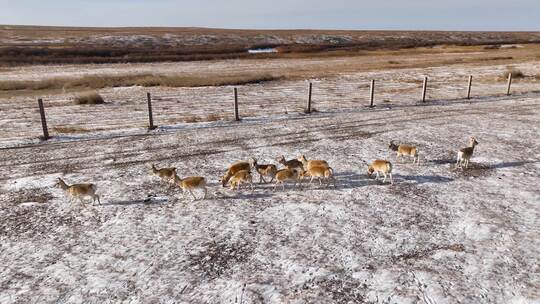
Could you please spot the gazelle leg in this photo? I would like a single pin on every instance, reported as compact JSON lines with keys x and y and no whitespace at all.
{"x":205,"y":191}
{"x":191,"y":192}
{"x":384,"y":180}
{"x":391,"y":179}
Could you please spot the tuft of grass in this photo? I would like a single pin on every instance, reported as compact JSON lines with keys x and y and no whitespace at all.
{"x":213,"y":117}
{"x":192,"y":119}
{"x":89,"y":98}
{"x":70,"y":130}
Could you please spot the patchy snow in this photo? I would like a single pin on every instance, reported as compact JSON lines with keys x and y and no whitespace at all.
{"x":438,"y":235}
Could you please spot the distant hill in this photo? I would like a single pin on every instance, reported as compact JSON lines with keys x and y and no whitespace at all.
{"x":42,"y":45}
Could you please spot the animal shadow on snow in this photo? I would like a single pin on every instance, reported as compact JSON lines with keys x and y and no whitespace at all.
{"x":349,"y":180}
{"x":150,"y":200}
{"x":241,"y":194}
{"x":422,"y":179}
{"x":510,"y":164}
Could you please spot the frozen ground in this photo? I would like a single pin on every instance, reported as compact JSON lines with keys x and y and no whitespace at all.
{"x":438,"y":235}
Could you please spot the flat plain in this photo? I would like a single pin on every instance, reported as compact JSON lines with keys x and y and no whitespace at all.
{"x":439,"y":234}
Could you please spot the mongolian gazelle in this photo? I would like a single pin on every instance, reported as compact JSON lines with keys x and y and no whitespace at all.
{"x":233,"y":169}
{"x":166,"y":174}
{"x":188,"y":184}
{"x":79,"y":191}
{"x":381,"y":166}
{"x":293,"y":164}
{"x":264,"y":170}
{"x":241,"y":177}
{"x":405,"y":150}
{"x":320,"y":172}
{"x":284,"y":175}
{"x":465,"y":154}
{"x":312,"y":163}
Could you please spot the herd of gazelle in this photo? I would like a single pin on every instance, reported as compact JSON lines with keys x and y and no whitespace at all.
{"x":295,"y":170}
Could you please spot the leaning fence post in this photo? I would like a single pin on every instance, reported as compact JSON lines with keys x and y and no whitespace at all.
{"x":509,"y":83}
{"x":308,"y":104}
{"x":236,"y":116}
{"x":371,"y":93}
{"x":469,"y":87}
{"x":43,"y":120}
{"x":424,"y":88}
{"x":150,"y":117}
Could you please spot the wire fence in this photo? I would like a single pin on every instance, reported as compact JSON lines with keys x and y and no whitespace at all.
{"x":134,"y":108}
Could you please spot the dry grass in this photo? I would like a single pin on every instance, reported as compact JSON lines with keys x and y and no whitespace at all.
{"x":145,"y":80}
{"x":70,"y":130}
{"x":192,"y":119}
{"x":89,"y":98}
{"x":213,"y":117}
{"x":86,"y":45}
{"x":515,"y":73}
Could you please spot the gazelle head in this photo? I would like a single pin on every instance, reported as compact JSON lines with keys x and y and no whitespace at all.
{"x":392,"y":146}
{"x":302,"y":158}
{"x":253,"y":162}
{"x":281,"y":159}
{"x":473,"y":142}
{"x":60,"y":183}
{"x":370,"y":170}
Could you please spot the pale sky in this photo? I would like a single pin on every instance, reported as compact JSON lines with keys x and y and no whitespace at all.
{"x":280,"y":14}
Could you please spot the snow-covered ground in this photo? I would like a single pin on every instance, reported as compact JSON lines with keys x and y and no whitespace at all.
{"x":438,"y":235}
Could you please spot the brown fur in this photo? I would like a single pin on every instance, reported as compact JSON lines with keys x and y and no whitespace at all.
{"x":293,"y":164}
{"x":465,"y":154}
{"x":284,"y":175}
{"x":320,"y":172}
{"x":166,"y":174}
{"x":307,"y":164}
{"x":381,"y":166}
{"x":79,"y":191}
{"x":188,"y":184}
{"x":406,"y":150}
{"x":241,"y":177}
{"x":233,"y":169}
{"x":264,"y":170}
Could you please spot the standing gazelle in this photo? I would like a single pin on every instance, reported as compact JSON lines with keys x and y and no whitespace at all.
{"x":79,"y":191}
{"x":233,"y":169}
{"x":308,"y":164}
{"x":381,"y":166}
{"x":465,"y":154}
{"x":405,"y":150}
{"x":264,"y":170}
{"x":241,"y":177}
{"x":319,"y":172}
{"x":166,"y":174}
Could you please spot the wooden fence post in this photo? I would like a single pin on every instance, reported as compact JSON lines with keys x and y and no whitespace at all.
{"x":469,"y":87}
{"x":371,"y":93}
{"x":509,"y":83}
{"x":150,"y":117}
{"x":43,"y":120}
{"x":424,"y":88}
{"x":308,"y":105}
{"x":236,"y":116}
